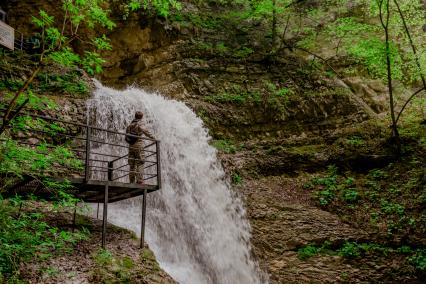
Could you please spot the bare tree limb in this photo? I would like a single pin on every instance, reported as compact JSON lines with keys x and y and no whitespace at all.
{"x":385,"y":25}
{"x":16,"y":112}
{"x":408,"y":101}
{"x":320,"y":58}
{"x":413,"y":47}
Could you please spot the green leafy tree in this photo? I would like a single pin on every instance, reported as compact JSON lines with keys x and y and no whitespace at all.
{"x":272,"y":11}
{"x":385,"y":11}
{"x":386,"y":37}
{"x":160,"y":7}
{"x":56,"y":44}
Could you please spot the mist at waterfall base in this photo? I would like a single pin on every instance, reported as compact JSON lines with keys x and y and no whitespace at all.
{"x":195,"y":224}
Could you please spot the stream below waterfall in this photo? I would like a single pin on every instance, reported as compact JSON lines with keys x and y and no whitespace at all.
{"x":196,"y":225}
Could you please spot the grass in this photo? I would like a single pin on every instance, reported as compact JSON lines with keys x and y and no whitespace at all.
{"x":236,"y":178}
{"x":389,"y":201}
{"x":69,"y":83}
{"x":353,"y":250}
{"x":110,"y":267}
{"x":24,"y":236}
{"x":226,"y":146}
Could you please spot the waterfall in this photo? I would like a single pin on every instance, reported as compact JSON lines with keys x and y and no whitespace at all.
{"x":196,"y":225}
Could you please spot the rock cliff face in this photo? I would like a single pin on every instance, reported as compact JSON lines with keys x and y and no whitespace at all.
{"x":280,"y":119}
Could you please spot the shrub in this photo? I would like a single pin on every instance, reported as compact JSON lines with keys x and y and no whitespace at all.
{"x":307,"y":252}
{"x":24,"y":236}
{"x":236,"y":178}
{"x":349,"y":250}
{"x":419,"y":260}
{"x":224,"y":146}
{"x":350,"y":195}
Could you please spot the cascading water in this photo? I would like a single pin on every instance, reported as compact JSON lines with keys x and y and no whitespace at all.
{"x":195,"y":224}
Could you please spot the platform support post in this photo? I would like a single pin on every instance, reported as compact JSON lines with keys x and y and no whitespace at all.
{"x":157,"y":149}
{"x":73,"y":217}
{"x":145,"y":193}
{"x":105,"y":215}
{"x":87,"y":160}
{"x":97,"y":212}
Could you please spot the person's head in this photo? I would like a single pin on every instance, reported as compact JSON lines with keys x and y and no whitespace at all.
{"x":138,"y":115}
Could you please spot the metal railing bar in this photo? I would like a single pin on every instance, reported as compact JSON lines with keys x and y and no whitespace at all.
{"x":48,"y":146}
{"x":100,"y":171}
{"x":84,"y":134}
{"x":150,"y":177}
{"x":120,"y":167}
{"x":125,"y":171}
{"x":132,"y":172}
{"x":106,"y":143}
{"x":119,"y":158}
{"x":106,"y":155}
{"x":85,"y":126}
{"x":150,"y":155}
{"x":120,"y":177}
{"x":97,"y":167}
{"x":144,"y":161}
{"x":150,"y":166}
{"x":58,"y":133}
{"x":53,"y":119}
{"x":150,"y":145}
{"x":95,"y":160}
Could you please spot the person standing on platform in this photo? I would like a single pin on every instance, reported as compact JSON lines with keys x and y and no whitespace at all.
{"x":136,"y":148}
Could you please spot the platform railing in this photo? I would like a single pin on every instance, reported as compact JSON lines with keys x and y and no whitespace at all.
{"x":103,"y":152}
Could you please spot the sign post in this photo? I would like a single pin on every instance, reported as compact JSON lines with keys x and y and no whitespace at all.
{"x":7,"y":35}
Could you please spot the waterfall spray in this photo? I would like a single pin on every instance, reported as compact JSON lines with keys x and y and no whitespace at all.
{"x":196,"y":225}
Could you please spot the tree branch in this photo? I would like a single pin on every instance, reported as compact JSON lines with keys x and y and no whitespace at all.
{"x":320,"y":58}
{"x":18,"y":110}
{"x":413,"y":47}
{"x":408,"y":101}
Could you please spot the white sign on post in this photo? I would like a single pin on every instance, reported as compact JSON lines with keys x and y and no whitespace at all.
{"x":7,"y":35}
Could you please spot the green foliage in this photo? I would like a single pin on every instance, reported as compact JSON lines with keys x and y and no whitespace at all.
{"x":307,"y":252}
{"x":350,"y":195}
{"x":277,"y":98}
{"x":222,"y":49}
{"x":349,"y":250}
{"x":354,"y":250}
{"x":92,"y":62}
{"x":159,"y":7}
{"x":34,"y":102}
{"x":392,"y":208}
{"x":328,"y":186}
{"x":350,"y":28}
{"x":65,"y":57}
{"x":372,"y":53}
{"x":419,"y":260}
{"x":226,"y":98}
{"x":24,"y":236}
{"x":110,"y":268}
{"x":377,"y":174}
{"x":243,"y":52}
{"x":55,"y":43}
{"x":11,"y":85}
{"x":41,"y":161}
{"x":355,"y":141}
{"x":68,"y":83}
{"x":236,"y":178}
{"x":103,"y":257}
{"x":224,"y":146}
{"x":236,"y":96}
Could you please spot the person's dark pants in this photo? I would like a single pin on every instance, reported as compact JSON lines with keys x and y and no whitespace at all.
{"x":136,"y":162}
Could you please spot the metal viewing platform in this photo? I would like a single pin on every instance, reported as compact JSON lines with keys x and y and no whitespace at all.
{"x":100,"y":170}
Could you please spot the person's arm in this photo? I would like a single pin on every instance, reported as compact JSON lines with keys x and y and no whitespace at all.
{"x":147,"y":133}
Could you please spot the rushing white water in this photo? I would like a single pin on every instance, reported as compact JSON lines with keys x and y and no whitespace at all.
{"x":195,"y":224}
